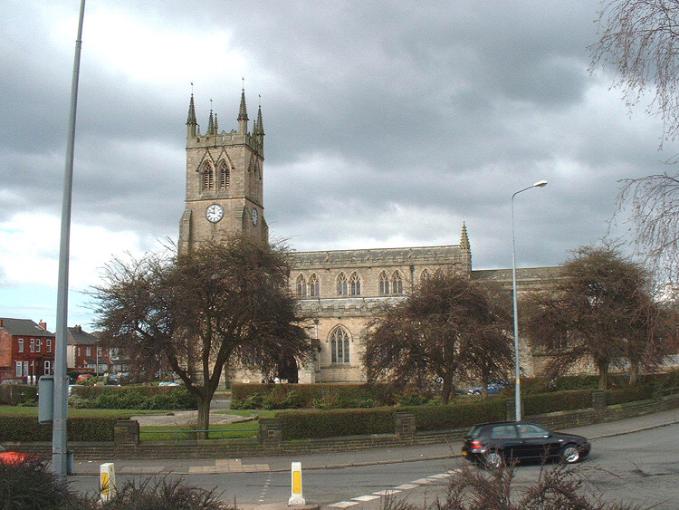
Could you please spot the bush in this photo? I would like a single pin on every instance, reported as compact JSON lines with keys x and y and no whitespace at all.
{"x":133,"y":397}
{"x":152,"y":494}
{"x":336,"y":422}
{"x":30,"y":485}
{"x":452,"y":416}
{"x":27,"y":429}
{"x":15,"y":394}
{"x":312,"y":395}
{"x":629,"y":394}
{"x":557,"y":401}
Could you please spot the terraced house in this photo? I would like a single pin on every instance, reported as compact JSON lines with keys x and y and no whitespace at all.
{"x":26,"y":350}
{"x":339,"y":292}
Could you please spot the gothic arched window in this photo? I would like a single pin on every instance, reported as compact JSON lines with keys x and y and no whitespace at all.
{"x":339,"y":345}
{"x":341,"y":285}
{"x":424,"y":276}
{"x":355,"y":284}
{"x":314,"y":286}
{"x":396,"y":283}
{"x":301,"y":287}
{"x":438,"y":273}
{"x":384,"y":284}
{"x":224,"y":175}
{"x":208,"y":176}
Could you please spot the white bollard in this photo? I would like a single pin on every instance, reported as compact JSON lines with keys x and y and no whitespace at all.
{"x":296,"y":497}
{"x":107,"y":481}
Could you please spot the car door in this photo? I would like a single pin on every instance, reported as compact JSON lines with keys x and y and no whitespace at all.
{"x":535,"y":443}
{"x":506,"y":438}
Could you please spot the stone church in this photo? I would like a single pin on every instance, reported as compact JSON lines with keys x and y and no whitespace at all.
{"x":338,"y":291}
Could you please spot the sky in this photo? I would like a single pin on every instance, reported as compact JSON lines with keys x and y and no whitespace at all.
{"x":387,"y":124}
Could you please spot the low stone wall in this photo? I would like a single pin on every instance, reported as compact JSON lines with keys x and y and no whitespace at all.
{"x":127,"y":445}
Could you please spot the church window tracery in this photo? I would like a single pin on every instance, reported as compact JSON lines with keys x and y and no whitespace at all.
{"x":341,"y":285}
{"x":384,"y":284}
{"x":396,"y":283}
{"x":314,"y":286}
{"x":301,"y":287}
{"x":208,"y":177}
{"x":425,"y":276}
{"x":339,"y":346}
{"x":355,"y":284}
{"x":224,"y":176}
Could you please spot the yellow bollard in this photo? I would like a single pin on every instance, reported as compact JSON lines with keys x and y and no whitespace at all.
{"x":296,"y":497}
{"x":107,"y":481}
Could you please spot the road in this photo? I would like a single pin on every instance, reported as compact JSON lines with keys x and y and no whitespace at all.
{"x":641,"y":467}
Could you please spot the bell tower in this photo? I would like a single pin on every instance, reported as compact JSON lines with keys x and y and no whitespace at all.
{"x":224,"y":181}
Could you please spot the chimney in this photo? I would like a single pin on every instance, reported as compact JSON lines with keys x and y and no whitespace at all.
{"x":42,"y":324}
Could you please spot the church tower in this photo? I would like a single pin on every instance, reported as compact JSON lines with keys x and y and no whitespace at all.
{"x":224,"y":175}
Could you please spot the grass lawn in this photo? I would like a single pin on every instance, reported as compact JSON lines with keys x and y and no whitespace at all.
{"x":240,"y":430}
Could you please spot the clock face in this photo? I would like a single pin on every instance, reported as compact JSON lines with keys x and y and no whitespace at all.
{"x":255,"y":216}
{"x":214,"y":213}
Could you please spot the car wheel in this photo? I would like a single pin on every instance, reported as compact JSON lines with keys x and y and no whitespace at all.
{"x":570,"y":454}
{"x":492,"y":460}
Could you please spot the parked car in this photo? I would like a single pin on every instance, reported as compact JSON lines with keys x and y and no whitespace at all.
{"x":491,"y":444}
{"x":168,"y":383}
{"x":82,"y":378}
{"x":493,"y":388}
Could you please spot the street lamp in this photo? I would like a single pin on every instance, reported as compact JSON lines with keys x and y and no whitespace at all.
{"x":517,"y":366}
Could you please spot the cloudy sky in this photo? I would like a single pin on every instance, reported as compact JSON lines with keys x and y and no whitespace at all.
{"x":387,"y":124}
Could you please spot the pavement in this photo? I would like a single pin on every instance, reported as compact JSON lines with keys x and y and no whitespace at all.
{"x":366,"y":457}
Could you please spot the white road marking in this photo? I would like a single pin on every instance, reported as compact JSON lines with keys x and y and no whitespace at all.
{"x":439,"y":477}
{"x":343,"y":504}
{"x":406,"y":486}
{"x":365,"y":498}
{"x":422,"y":481}
{"x":386,"y":492}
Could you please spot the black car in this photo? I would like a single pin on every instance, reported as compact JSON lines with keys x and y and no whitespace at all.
{"x":491,"y":444}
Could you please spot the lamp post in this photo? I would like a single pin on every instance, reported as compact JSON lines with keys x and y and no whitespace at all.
{"x":517,"y":365}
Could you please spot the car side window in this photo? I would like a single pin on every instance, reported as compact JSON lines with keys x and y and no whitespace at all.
{"x":528,"y":431}
{"x":504,"y":432}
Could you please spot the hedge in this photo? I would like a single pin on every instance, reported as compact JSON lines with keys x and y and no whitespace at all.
{"x":13,"y":394}
{"x":452,"y":416}
{"x":542,"y":403}
{"x":278,"y":396}
{"x":629,"y":394}
{"x":133,"y":397}
{"x":27,"y":429}
{"x":312,"y":423}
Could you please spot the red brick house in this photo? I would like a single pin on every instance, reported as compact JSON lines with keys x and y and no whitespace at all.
{"x":26,"y":350}
{"x":84,"y":352}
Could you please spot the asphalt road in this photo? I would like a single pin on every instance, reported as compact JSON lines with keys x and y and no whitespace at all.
{"x":641,"y":468}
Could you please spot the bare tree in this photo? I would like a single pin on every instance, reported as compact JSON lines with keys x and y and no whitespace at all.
{"x":640,"y":40}
{"x":601,"y":311}
{"x":217,"y":305}
{"x":442,"y":330}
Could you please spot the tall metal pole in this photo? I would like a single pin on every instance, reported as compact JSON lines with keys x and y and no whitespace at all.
{"x":59,"y":437}
{"x":517,"y":362}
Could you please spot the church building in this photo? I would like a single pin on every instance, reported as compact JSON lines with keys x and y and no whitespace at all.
{"x":338,"y":291}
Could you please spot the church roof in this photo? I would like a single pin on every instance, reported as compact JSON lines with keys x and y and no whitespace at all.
{"x":366,"y":257}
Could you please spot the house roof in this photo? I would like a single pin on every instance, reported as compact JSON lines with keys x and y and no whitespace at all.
{"x":77,"y":336}
{"x":24,"y":327}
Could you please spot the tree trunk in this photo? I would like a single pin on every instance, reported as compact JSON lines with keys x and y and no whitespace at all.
{"x":447,"y":388}
{"x":203,"y":417}
{"x":603,"y":376}
{"x":633,"y":373}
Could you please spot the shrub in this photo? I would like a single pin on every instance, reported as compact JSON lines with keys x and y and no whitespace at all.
{"x":27,"y":429}
{"x":542,"y":403}
{"x":15,"y":394}
{"x":313,"y":395}
{"x":152,"y":494}
{"x":133,"y":397}
{"x":452,"y":416}
{"x":629,"y":394}
{"x":30,"y":485}
{"x":309,"y":423}
{"x":412,"y":399}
